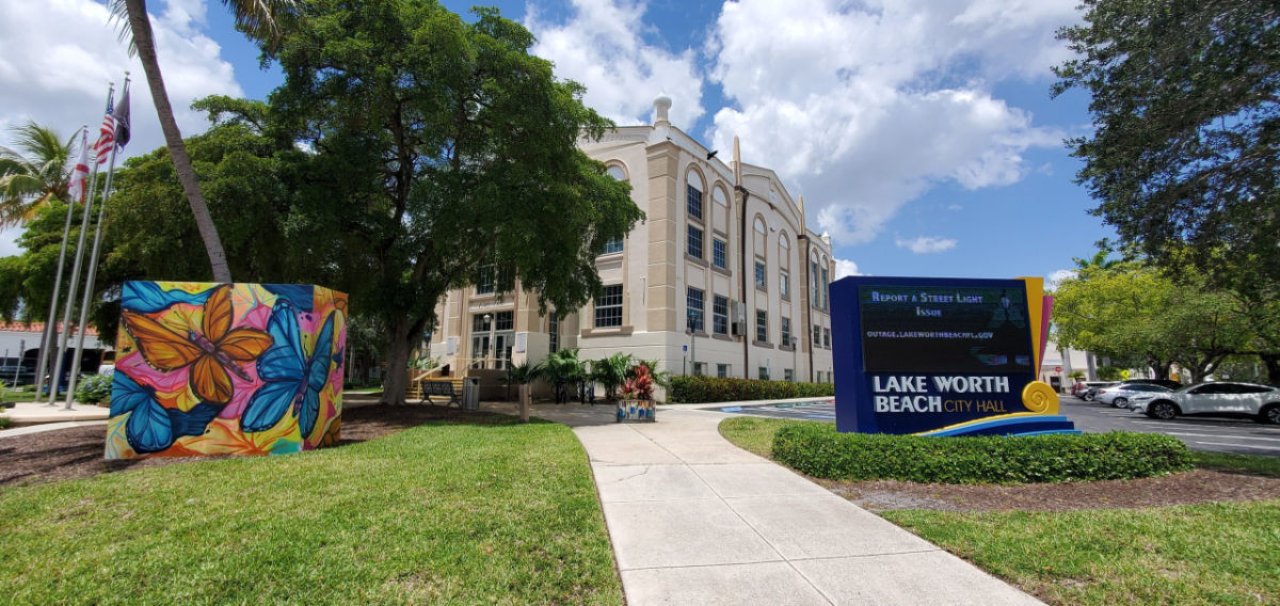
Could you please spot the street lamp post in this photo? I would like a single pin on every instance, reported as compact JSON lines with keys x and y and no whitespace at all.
{"x":693,"y":320}
{"x":489,"y":348}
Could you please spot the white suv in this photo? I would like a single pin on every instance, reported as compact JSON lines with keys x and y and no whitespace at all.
{"x":1222,"y":398}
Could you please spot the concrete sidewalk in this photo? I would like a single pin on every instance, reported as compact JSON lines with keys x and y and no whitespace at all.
{"x":696,"y":520}
{"x":31,"y":413}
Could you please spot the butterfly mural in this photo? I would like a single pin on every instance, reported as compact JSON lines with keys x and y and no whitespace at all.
{"x":152,"y":427}
{"x":213,"y":354}
{"x":213,"y":369}
{"x":293,"y":380}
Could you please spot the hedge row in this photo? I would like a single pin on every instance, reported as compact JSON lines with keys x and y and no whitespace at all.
{"x":818,"y":450}
{"x":714,"y":389}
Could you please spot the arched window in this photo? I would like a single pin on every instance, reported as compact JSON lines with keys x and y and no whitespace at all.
{"x":720,"y":220}
{"x":761,"y":250}
{"x":826,"y":282}
{"x":693,"y":194}
{"x":784,"y":266}
{"x":614,"y":245}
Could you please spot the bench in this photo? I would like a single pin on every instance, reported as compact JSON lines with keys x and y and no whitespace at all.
{"x":450,"y":388}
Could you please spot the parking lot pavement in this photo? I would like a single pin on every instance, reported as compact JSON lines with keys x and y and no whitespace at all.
{"x":1239,"y":436}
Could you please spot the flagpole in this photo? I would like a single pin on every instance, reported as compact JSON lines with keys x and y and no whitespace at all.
{"x":51,"y":323}
{"x":93,"y":265}
{"x":71,"y":294}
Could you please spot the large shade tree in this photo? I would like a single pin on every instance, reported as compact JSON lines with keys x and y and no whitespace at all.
{"x":1184,"y":159}
{"x":34,"y":173}
{"x":442,"y":148}
{"x":258,"y":18}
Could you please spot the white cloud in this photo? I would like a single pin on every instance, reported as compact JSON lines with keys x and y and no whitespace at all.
{"x":601,"y":47}
{"x":1058,"y":277}
{"x":846,"y":268}
{"x":56,"y":58}
{"x":869,"y":105}
{"x":924,"y":245}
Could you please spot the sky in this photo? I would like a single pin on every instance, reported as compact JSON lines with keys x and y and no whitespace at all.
{"x":920,"y":132}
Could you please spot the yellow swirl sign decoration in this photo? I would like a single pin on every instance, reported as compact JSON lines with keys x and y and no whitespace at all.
{"x":1040,"y":398}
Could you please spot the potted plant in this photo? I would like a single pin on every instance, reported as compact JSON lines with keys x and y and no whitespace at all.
{"x":637,"y":396}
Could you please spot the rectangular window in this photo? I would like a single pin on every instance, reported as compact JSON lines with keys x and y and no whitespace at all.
{"x":504,"y":320}
{"x":784,"y":285}
{"x":694,"y":242}
{"x":762,"y":325}
{"x":722,"y":370}
{"x":720,"y":253}
{"x":612,"y":246}
{"x":485,"y":280}
{"x":817,"y":336}
{"x":699,"y":369}
{"x":553,"y":331}
{"x":695,"y":202}
{"x":764,"y":373}
{"x":762,"y":280}
{"x":826,"y":337}
{"x":609,"y":307}
{"x":788,"y":375}
{"x":720,"y":315}
{"x":694,"y":302}
{"x":786,"y":332}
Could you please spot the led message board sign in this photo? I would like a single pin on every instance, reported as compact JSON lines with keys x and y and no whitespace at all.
{"x":940,"y":356}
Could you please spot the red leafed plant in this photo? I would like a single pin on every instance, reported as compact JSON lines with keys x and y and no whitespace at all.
{"x":640,"y":385}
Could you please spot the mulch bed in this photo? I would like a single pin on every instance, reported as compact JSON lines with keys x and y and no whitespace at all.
{"x":1196,"y":486}
{"x":77,"y":452}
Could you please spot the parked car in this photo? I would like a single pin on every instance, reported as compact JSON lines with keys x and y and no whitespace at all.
{"x":1219,"y":398}
{"x":22,"y":374}
{"x":1119,"y":395}
{"x":1093,"y":387}
{"x":1171,"y":384}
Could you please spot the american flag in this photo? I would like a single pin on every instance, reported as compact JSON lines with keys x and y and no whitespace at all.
{"x":106,"y":133}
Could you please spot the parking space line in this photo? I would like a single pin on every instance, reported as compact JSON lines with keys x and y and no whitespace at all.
{"x":1209,"y":435}
{"x":1237,"y":445}
{"x":1175,"y":425}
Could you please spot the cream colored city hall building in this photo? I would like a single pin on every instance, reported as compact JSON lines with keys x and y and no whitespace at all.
{"x":722,"y":278}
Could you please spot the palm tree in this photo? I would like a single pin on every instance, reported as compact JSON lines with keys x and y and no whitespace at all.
{"x":33,"y":173}
{"x":258,"y":18}
{"x":611,"y":372}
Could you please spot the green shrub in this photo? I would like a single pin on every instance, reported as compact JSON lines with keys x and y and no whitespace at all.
{"x":94,"y":389}
{"x":715,"y":389}
{"x":818,"y":450}
{"x":5,"y":422}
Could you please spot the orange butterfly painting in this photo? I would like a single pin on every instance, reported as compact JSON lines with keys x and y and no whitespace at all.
{"x":214,"y":353}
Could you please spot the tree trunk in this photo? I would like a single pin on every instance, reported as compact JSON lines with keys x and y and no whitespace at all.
{"x":1272,"y":363}
{"x":523,"y":390}
{"x":144,"y":41}
{"x":395,"y":385}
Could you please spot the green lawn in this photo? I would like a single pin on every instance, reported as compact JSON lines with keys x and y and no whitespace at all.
{"x":24,"y":394}
{"x":488,"y":512}
{"x":1220,"y":553}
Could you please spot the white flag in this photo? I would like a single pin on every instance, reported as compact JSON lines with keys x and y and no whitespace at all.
{"x":78,"y":188}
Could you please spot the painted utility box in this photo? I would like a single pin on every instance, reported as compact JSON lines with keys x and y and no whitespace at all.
{"x":217,"y":369}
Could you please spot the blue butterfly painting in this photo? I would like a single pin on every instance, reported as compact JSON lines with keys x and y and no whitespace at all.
{"x":292,"y":380}
{"x":152,"y":427}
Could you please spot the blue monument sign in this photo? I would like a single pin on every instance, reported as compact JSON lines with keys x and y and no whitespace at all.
{"x":941,"y":356}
